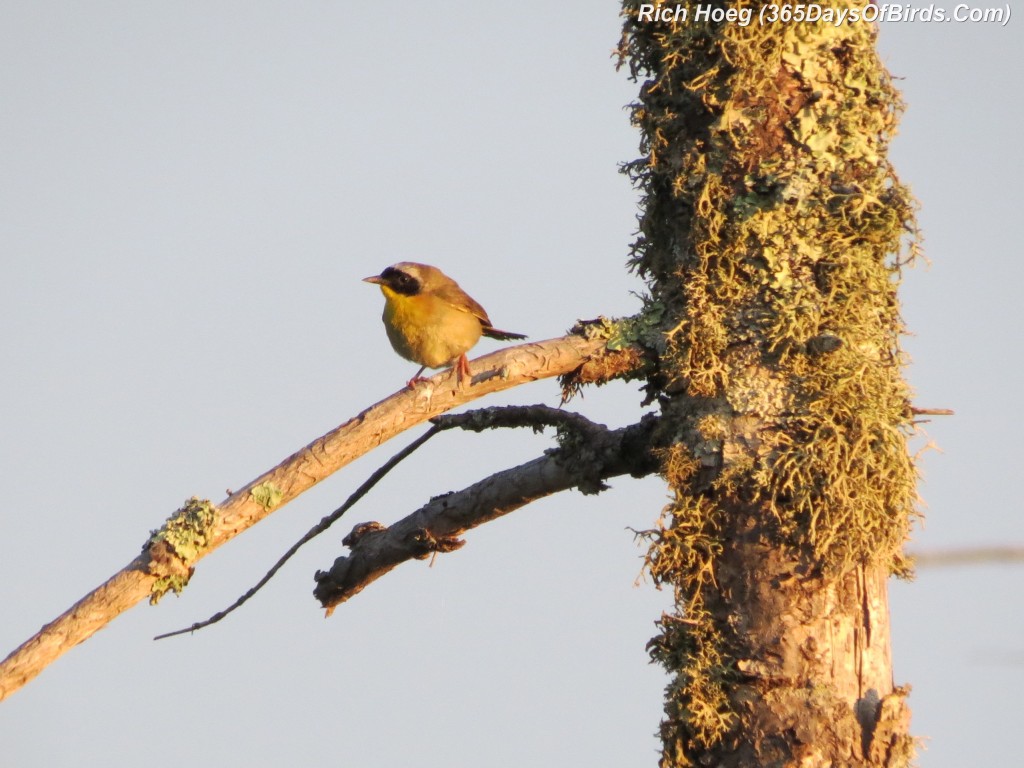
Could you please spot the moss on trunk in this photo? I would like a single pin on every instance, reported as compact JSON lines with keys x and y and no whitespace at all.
{"x":772,"y":236}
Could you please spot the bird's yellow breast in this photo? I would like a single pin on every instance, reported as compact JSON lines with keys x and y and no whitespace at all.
{"x":428,"y":330}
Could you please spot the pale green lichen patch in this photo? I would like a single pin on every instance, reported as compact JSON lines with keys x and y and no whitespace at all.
{"x":643,"y":328}
{"x":165,"y":584}
{"x":187,"y":531}
{"x":626,"y":341}
{"x":178,"y":544}
{"x":267,"y":495}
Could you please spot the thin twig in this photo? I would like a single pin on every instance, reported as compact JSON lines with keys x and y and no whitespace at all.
{"x":933,"y":411}
{"x":313,"y":532}
{"x":534,"y":416}
{"x":969,"y":556}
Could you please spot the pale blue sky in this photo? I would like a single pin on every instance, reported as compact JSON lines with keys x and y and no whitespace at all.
{"x":191,"y":193}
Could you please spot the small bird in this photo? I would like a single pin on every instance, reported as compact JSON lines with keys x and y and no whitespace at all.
{"x":430,"y":320}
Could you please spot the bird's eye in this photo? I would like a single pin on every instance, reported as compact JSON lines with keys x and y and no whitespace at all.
{"x":401,"y":282}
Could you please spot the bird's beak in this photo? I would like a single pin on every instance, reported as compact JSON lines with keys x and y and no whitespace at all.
{"x":375,"y":279}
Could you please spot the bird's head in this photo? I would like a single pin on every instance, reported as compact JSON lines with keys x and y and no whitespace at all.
{"x":406,"y":278}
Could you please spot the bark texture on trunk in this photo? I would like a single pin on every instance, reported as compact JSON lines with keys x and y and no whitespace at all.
{"x":771,"y":236}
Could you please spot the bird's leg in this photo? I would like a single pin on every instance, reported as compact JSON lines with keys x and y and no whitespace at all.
{"x":416,"y":379}
{"x":462,"y":372}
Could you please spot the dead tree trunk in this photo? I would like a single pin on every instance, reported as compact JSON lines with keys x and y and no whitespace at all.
{"x":771,"y":236}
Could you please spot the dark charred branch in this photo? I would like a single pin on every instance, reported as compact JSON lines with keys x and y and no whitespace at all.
{"x":436,"y":527}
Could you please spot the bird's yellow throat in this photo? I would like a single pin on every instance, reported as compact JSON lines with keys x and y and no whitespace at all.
{"x":403,"y":312}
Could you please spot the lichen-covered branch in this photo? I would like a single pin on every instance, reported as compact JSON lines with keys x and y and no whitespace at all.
{"x":584,"y":464}
{"x":200,"y":527}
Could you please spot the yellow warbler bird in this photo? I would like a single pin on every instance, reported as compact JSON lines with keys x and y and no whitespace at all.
{"x":430,"y":320}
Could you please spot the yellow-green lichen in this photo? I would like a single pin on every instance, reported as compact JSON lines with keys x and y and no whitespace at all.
{"x":625,"y":339}
{"x":267,"y":495}
{"x":682,"y":554}
{"x":643,"y":328}
{"x":773,"y":220}
{"x":178,"y":544}
{"x":175,"y":583}
{"x":773,"y":232}
{"x":187,"y":531}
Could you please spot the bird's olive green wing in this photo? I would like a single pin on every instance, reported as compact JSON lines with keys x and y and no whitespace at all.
{"x":458,"y":298}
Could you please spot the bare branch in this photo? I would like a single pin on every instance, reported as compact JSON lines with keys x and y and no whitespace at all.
{"x":534,"y":416}
{"x":296,"y":474}
{"x":435,"y":527}
{"x":933,"y":411}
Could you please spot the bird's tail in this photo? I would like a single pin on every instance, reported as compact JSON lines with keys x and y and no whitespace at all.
{"x":494,"y":333}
